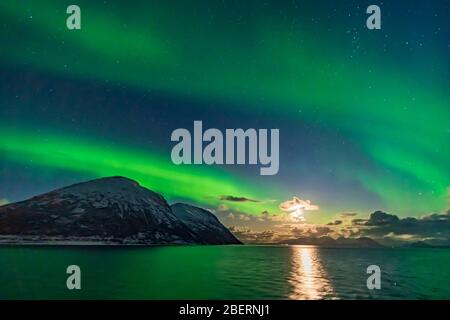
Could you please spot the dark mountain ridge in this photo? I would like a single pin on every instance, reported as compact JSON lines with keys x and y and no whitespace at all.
{"x":112,"y":210}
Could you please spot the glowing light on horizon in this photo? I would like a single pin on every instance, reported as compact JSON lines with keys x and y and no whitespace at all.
{"x":296,"y":207}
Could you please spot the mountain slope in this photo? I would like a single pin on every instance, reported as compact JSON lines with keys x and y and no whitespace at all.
{"x":111,"y":210}
{"x":204,"y":225}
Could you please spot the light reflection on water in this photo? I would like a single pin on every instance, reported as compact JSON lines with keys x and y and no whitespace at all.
{"x":308,"y":277}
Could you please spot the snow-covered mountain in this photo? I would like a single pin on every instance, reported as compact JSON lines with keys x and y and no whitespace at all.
{"x":107,"y":210}
{"x":205,"y":225}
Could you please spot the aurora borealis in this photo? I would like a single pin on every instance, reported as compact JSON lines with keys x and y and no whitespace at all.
{"x":363,"y":115}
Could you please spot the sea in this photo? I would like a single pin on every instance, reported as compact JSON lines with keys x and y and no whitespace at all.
{"x":223,"y":272}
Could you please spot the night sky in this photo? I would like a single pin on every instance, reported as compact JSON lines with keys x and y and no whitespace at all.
{"x":363,"y":114}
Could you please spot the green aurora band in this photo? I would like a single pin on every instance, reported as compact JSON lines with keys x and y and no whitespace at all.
{"x":199,"y":184}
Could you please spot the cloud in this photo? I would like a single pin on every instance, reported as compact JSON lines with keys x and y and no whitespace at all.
{"x":334,"y":223}
{"x":402,"y":237}
{"x":222,"y":208}
{"x":267,"y":216}
{"x":380,"y":218}
{"x":236,"y":199}
{"x":359,"y":222}
{"x":444,"y":217}
{"x":244,"y":217}
{"x":246,"y":235}
{"x":321,"y":231}
{"x":385,"y":226}
{"x":297,"y":204}
{"x":349,"y":232}
{"x":263,"y":217}
{"x":4,"y":201}
{"x":311,"y":231}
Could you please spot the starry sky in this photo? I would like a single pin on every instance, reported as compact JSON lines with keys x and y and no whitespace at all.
{"x":363,"y":114}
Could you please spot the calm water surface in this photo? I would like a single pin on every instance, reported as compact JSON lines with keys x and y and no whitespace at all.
{"x":223,"y":272}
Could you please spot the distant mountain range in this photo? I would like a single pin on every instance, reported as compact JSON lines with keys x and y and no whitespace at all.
{"x":363,"y":242}
{"x":424,"y":244}
{"x":113,"y":210}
